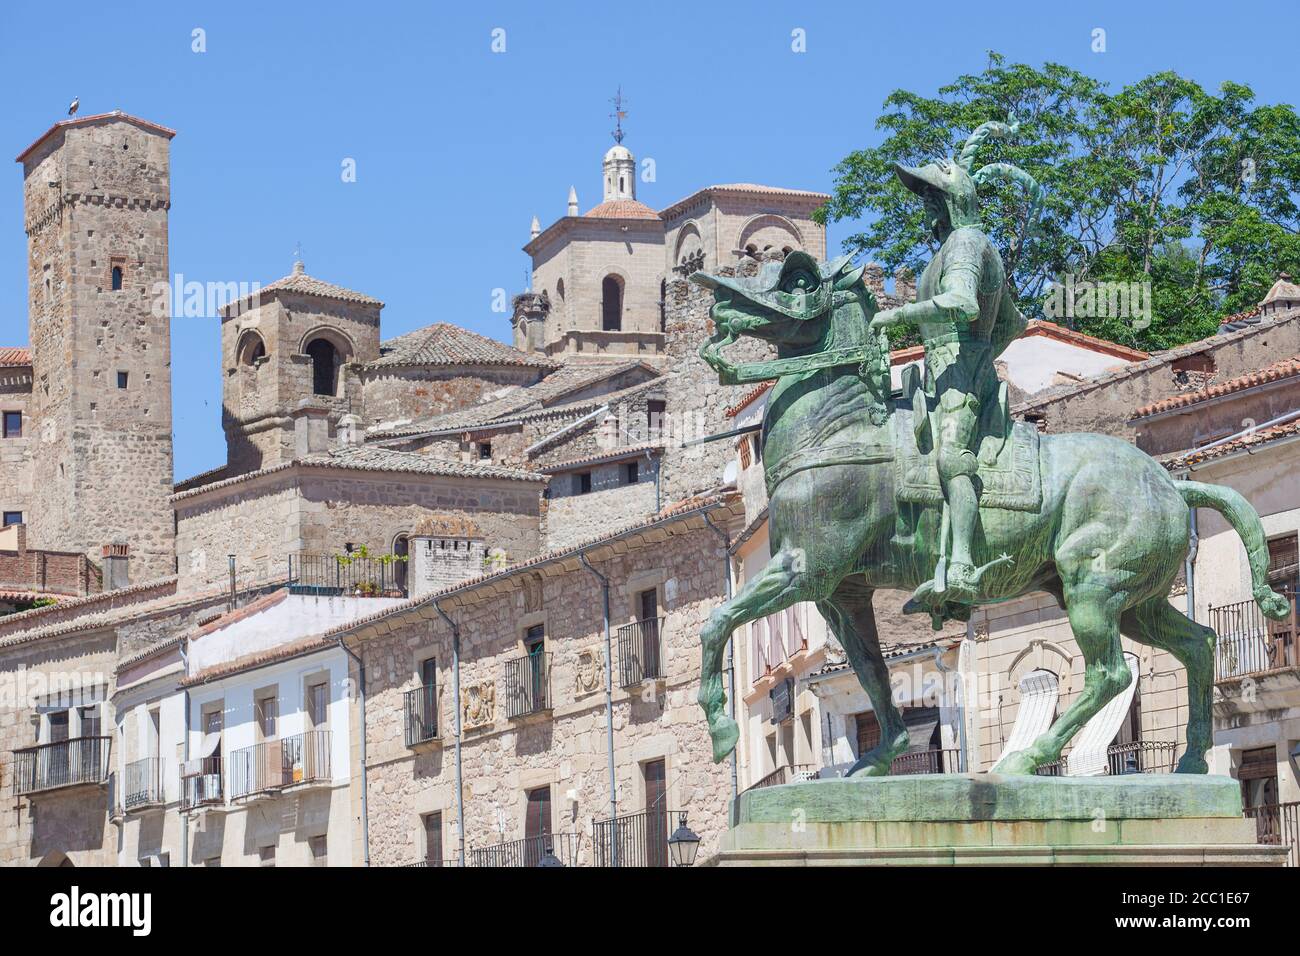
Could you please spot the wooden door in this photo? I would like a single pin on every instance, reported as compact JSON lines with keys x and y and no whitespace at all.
{"x":656,"y":813}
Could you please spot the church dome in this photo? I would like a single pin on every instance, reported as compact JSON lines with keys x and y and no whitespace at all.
{"x":618,"y":152}
{"x":622,"y":209}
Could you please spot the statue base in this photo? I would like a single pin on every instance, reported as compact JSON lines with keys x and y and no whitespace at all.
{"x":987,"y":819}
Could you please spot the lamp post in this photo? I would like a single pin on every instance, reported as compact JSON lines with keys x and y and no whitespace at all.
{"x":683,"y":844}
{"x":549,"y":859}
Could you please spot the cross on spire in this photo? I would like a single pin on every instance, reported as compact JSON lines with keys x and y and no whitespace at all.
{"x":618,"y":115}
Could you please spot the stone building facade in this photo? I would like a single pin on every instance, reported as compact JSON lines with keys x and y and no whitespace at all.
{"x":16,"y":439}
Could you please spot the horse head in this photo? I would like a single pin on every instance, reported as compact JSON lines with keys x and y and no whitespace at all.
{"x":801,"y":305}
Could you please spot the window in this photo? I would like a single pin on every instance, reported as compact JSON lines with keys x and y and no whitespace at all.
{"x":432,"y":838}
{"x":485,"y":451}
{"x":266,"y":711}
{"x":13,"y":425}
{"x":401,"y":549}
{"x":117,"y":279}
{"x":318,"y":699}
{"x":122,"y":378}
{"x":654,"y":413}
{"x":631,"y":473}
{"x":13,"y":517}
{"x":654,"y":773}
{"x":266,"y":855}
{"x":324,"y":367}
{"x":611,"y":304}
{"x":317,"y":846}
{"x":251,"y":349}
{"x":582,"y":483}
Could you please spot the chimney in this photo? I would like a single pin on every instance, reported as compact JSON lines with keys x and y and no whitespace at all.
{"x":116,"y":568}
{"x":348,"y":432}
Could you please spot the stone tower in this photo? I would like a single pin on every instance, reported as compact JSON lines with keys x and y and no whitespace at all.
{"x":96,"y":195}
{"x":619,"y":167}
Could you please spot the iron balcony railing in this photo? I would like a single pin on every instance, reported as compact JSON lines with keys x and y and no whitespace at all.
{"x":528,"y":851}
{"x":528,"y":684}
{"x":421,"y":707}
{"x":633,"y":839}
{"x":926,"y":761}
{"x":204,"y":788}
{"x":793,"y":773}
{"x":142,"y":784}
{"x":276,"y":764}
{"x":1278,"y":824}
{"x":431,"y":863}
{"x":1249,"y":643}
{"x":640,"y":651}
{"x":1138,"y":756}
{"x":67,"y":763}
{"x":347,"y":574}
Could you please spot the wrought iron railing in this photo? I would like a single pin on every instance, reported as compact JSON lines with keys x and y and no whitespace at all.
{"x":347,"y":574}
{"x":204,"y":788}
{"x":1249,"y":643}
{"x":529,"y":851}
{"x":142,"y":786}
{"x":791,"y":773}
{"x":1278,"y":824}
{"x":421,"y":708}
{"x":67,"y":763}
{"x":1138,"y":756}
{"x":431,"y":863}
{"x":633,"y":839}
{"x":528,"y":684}
{"x":276,"y":764}
{"x":640,"y":651}
{"x":926,"y":761}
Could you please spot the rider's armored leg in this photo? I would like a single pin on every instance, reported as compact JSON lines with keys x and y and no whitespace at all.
{"x":959,"y":415}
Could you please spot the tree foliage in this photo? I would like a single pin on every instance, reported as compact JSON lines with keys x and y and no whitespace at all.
{"x":1159,"y":181}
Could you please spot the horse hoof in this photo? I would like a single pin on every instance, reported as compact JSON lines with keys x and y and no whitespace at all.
{"x":725,"y":733}
{"x":1192,"y":764}
{"x":868,"y":768}
{"x":1019,"y":764}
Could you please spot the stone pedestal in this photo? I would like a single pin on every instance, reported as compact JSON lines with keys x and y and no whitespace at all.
{"x":984,"y":819}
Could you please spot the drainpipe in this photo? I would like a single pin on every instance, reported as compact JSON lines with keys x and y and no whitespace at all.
{"x":731,"y":664}
{"x":365,"y":771}
{"x":185,"y":751}
{"x":609,"y":704}
{"x":455,"y":697}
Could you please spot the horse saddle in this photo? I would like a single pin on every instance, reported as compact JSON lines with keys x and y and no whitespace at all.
{"x":1008,"y":471}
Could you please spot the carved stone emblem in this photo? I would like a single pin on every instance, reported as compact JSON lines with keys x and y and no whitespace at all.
{"x":591,"y":665}
{"x":480,"y":704}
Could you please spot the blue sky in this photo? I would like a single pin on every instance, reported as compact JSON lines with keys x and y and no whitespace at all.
{"x":457,"y":147}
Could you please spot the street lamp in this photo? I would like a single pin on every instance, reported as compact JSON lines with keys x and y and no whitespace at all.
{"x":549,"y":858}
{"x":683,"y":844}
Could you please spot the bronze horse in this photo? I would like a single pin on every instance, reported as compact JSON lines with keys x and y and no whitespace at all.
{"x":1106,"y":542}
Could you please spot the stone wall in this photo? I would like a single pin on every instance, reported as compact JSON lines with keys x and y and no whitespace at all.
{"x":16,"y":465}
{"x":612,"y":503}
{"x":266,"y":518}
{"x":565,"y":748}
{"x":408,"y":393}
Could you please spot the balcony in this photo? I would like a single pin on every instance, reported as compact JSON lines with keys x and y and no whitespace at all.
{"x":528,"y":851}
{"x":640,"y":652}
{"x":350,"y":575}
{"x":1278,"y":824}
{"x":528,"y":685}
{"x":1251,"y":644}
{"x":81,"y":761}
{"x":926,"y":761}
{"x":421,"y":709}
{"x":276,"y":765}
{"x":141,"y":789}
{"x":1138,"y":756}
{"x":793,"y":773}
{"x":201,"y":783}
{"x":634,"y":839}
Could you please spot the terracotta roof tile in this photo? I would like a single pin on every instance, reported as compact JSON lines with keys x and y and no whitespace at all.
{"x":94,"y":118}
{"x":15,"y":356}
{"x":1271,"y":373}
{"x":614,"y":454}
{"x":445,"y":344}
{"x":1262,"y":436}
{"x":302,"y":284}
{"x":621,"y":209}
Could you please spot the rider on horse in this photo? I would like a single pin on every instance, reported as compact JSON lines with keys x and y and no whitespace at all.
{"x":967,"y":316}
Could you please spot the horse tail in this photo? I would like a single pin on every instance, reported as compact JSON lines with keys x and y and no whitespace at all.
{"x":1237,"y":511}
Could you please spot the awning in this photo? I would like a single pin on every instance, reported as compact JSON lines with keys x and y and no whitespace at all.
{"x":1089,"y":758}
{"x":1038,"y":693}
{"x":209,"y":746}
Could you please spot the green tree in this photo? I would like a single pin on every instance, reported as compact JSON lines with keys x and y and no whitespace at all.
{"x":1159,"y":181}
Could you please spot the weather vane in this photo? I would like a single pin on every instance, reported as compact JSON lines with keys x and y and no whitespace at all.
{"x":618,"y":115}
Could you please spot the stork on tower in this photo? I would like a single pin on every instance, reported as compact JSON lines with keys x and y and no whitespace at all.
{"x":72,"y":107}
{"x":619,"y":114}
